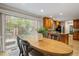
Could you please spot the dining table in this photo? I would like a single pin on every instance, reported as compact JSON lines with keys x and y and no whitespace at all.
{"x":50,"y":47}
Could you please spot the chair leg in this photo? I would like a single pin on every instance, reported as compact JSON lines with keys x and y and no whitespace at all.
{"x":27,"y":54}
{"x":27,"y":51}
{"x":19,"y":53}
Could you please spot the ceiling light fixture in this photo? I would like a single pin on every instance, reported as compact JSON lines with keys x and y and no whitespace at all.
{"x":50,"y":16}
{"x":60,"y":13}
{"x":42,"y":10}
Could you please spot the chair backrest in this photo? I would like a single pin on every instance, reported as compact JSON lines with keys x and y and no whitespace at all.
{"x":23,"y":46}
{"x":19,"y":42}
{"x":26,"y":48}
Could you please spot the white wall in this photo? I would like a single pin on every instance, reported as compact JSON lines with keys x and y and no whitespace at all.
{"x":67,"y":26}
{"x":0,"y":31}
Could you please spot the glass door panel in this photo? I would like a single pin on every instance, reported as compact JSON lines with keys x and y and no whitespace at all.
{"x":18,"y":26}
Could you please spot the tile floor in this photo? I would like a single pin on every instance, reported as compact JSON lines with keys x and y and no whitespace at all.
{"x":74,"y":44}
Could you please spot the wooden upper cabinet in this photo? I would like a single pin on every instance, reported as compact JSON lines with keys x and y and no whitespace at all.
{"x":47,"y":22}
{"x":76,"y":23}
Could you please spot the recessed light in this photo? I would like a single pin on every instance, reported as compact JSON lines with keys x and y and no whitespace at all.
{"x":60,"y":13}
{"x":42,"y":10}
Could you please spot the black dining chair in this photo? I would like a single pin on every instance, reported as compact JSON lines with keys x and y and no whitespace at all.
{"x":29,"y":50}
{"x":19,"y":42}
{"x":26,"y":49}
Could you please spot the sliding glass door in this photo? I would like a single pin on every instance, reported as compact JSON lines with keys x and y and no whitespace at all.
{"x":17,"y":26}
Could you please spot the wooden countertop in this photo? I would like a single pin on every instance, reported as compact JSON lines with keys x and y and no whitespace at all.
{"x":56,"y":32}
{"x":50,"y":47}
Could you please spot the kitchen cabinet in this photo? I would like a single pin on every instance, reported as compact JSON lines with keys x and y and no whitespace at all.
{"x":76,"y":29}
{"x":76,"y":24}
{"x":76,"y":35}
{"x":47,"y":23}
{"x":64,"y":38}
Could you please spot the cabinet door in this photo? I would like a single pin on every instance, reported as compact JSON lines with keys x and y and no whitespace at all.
{"x":64,"y":38}
{"x":76,"y":24}
{"x":76,"y":36}
{"x":47,"y":23}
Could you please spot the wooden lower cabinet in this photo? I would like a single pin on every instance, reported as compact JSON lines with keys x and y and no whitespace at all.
{"x":76,"y":29}
{"x":76,"y":35}
{"x":61,"y":37}
{"x":64,"y":38}
{"x":76,"y":24}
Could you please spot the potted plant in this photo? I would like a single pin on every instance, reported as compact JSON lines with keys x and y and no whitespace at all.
{"x":42,"y":31}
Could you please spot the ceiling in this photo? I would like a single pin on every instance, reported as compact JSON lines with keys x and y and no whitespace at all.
{"x":68,"y":11}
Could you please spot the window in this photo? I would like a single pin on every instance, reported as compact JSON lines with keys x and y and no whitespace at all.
{"x":18,"y":26}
